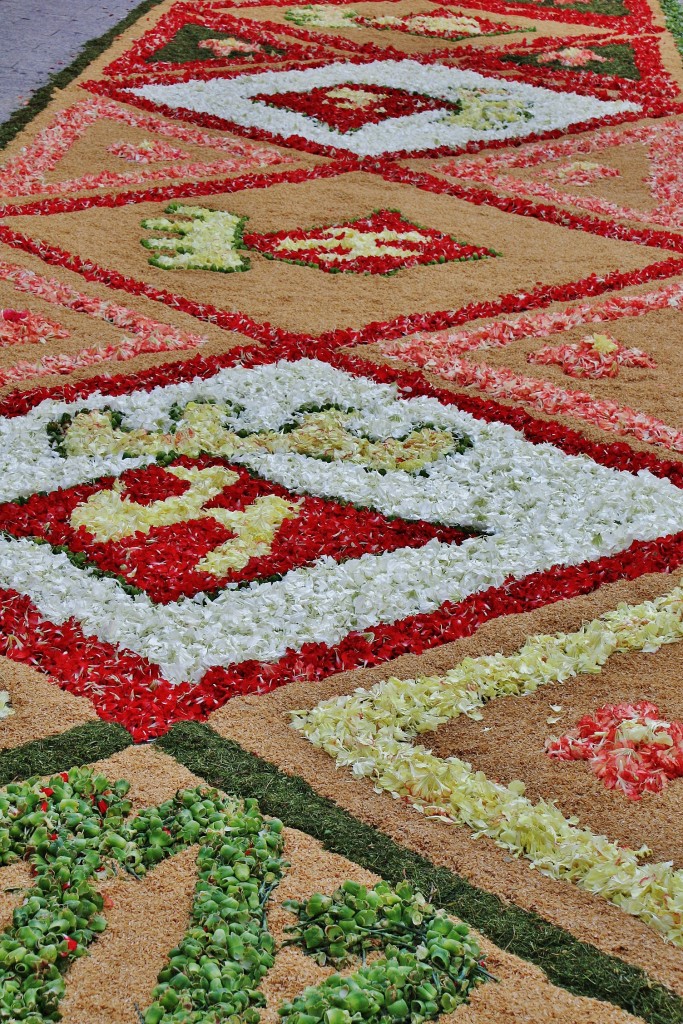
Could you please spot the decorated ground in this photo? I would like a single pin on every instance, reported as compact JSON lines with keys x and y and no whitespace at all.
{"x":341,"y":518}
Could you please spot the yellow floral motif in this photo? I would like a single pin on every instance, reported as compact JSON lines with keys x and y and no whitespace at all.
{"x":486,"y":108}
{"x":351,"y":99}
{"x":355,"y":243}
{"x":255,"y":528}
{"x":324,"y":15}
{"x":110,"y":515}
{"x":372,"y":731}
{"x":201,"y":239}
{"x":320,"y":435}
{"x":602,"y":344}
{"x":420,"y":24}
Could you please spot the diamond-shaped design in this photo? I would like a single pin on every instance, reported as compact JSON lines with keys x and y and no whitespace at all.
{"x":380,"y":244}
{"x":350,"y":106}
{"x":37,"y":168}
{"x":648,"y":157}
{"x":426,"y":106}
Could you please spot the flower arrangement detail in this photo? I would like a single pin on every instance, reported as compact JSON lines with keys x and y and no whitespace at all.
{"x":350,"y":106}
{"x":322,"y":16}
{"x":200,"y":239}
{"x":226,"y":47}
{"x":595,"y":356}
{"x":581,"y":173}
{"x":22,"y":327}
{"x":76,"y":829}
{"x":628,"y":746}
{"x":147,"y":152}
{"x":571,"y":57}
{"x":439,"y":24}
{"x":383,"y":243}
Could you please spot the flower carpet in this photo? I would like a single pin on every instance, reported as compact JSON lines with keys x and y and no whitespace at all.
{"x":341,"y":518}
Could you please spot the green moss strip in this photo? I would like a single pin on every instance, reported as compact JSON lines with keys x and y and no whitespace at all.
{"x":81,"y":745}
{"x":90,"y":52}
{"x":576,"y":966}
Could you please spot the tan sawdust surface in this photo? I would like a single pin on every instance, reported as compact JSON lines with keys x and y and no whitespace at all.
{"x":89,"y":155}
{"x":148,"y":917}
{"x":630,"y":189}
{"x":40,"y":708}
{"x":90,"y":326}
{"x":14,"y":880}
{"x":305,"y":298}
{"x":631,"y":159}
{"x":114,"y":367}
{"x":261,"y":725}
{"x":523,"y":993}
{"x":153,"y":775}
{"x":87,"y":332}
{"x":509,"y":744}
{"x":657,"y":392}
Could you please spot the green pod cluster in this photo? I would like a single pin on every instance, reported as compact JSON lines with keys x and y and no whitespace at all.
{"x":59,"y":827}
{"x":75,"y":830}
{"x":214,"y":973}
{"x":430,"y":966}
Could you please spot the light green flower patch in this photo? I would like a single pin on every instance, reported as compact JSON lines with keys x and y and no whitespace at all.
{"x":200,"y":239}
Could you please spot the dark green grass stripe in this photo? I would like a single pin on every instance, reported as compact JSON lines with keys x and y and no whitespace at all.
{"x":92,"y":49}
{"x":81,"y":745}
{"x":576,"y":966}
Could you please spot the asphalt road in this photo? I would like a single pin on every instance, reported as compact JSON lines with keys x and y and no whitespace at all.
{"x":44,"y":36}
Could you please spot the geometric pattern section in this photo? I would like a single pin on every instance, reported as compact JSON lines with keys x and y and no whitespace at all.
{"x":595,"y":356}
{"x":415,"y":459}
{"x":347,"y":108}
{"x":488,"y":108}
{"x":552,"y":172}
{"x":192,"y":37}
{"x":208,"y":525}
{"x":33,"y":171}
{"x":608,"y":67}
{"x":383,"y":243}
{"x":454,"y":451}
{"x":377,"y":733}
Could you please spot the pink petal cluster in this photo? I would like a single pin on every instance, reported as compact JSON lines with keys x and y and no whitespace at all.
{"x":628,"y":746}
{"x":540,"y":394}
{"x":146,"y":152}
{"x":21,"y":327}
{"x":572,"y":57}
{"x":586,"y":359}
